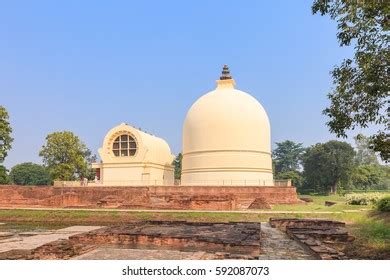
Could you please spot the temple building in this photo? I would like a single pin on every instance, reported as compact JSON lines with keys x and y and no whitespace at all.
{"x":130,"y":156}
{"x":226,"y":164}
{"x":226,"y":139}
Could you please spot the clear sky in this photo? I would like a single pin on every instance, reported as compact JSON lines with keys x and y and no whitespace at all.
{"x":86,"y":66}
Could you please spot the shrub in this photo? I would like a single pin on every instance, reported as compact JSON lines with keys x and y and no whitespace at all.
{"x":363,"y":198}
{"x":383,"y":204}
{"x":29,"y":173}
{"x":4,"y":178}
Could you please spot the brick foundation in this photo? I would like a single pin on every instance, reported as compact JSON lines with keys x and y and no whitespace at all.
{"x":325,"y":239}
{"x":148,"y":197}
{"x":234,"y":240}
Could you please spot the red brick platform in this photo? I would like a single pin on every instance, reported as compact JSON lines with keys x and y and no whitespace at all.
{"x":148,"y":197}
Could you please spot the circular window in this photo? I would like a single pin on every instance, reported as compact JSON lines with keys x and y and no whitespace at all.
{"x":124,"y":146}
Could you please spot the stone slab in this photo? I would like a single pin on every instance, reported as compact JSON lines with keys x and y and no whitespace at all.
{"x":141,"y":254}
{"x":4,"y":234}
{"x":276,"y":245}
{"x":11,"y":239}
{"x":77,"y":229}
{"x":33,"y":242}
{"x":30,"y":233}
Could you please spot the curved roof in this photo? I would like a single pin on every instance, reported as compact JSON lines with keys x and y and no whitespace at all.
{"x":226,"y":119}
{"x":226,"y":138}
{"x":150,"y":148}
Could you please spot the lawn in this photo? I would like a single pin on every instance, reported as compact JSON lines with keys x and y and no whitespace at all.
{"x":318,"y":204}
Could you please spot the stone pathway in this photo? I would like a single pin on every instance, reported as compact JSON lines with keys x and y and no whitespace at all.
{"x":5,"y":234}
{"x":35,"y":241}
{"x":276,"y":245}
{"x":141,"y":254}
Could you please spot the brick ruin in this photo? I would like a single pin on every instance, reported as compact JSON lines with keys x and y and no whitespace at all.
{"x":289,"y":239}
{"x":325,"y":239}
{"x":218,"y":240}
{"x":148,"y":197}
{"x":237,"y":239}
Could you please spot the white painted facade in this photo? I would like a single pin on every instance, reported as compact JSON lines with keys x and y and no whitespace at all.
{"x":227,"y":140}
{"x":132,"y":157}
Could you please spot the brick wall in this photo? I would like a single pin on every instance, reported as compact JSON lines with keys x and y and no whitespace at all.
{"x":150,"y":197}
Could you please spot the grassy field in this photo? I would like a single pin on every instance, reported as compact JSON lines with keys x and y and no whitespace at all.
{"x":318,"y":204}
{"x":371,"y":229}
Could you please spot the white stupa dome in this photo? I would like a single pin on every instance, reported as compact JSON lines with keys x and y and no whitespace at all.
{"x":226,"y":139}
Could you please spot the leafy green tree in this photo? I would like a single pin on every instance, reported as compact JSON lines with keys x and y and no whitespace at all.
{"x":384,"y":184}
{"x":295,"y":177}
{"x":287,"y":156}
{"x":177,"y":163}
{"x":287,"y":159}
{"x":367,"y":176}
{"x":5,"y":134}
{"x":4,"y":178}
{"x":364,"y":155}
{"x":29,"y":173}
{"x":327,"y":166}
{"x":66,"y":156}
{"x":362,"y":86}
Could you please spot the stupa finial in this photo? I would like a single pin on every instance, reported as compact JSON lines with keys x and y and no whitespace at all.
{"x":225,"y":73}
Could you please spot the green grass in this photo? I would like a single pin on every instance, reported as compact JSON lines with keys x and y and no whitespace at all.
{"x":115,"y":217}
{"x":108,"y":217}
{"x":318,"y":204}
{"x":372,"y":233}
{"x":375,"y":232}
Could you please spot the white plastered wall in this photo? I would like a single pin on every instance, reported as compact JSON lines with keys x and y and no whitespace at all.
{"x":226,"y":140}
{"x":151,"y":164}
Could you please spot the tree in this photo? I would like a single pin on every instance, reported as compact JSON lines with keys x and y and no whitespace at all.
{"x":5,"y":134}
{"x":177,"y":163}
{"x":287,"y":156}
{"x":362,"y":84}
{"x":368,"y":176}
{"x":29,"y":173}
{"x":364,"y":155}
{"x":287,"y":159}
{"x":295,"y":177}
{"x":384,"y":183}
{"x":4,"y":178}
{"x":327,"y":166}
{"x":66,"y":156}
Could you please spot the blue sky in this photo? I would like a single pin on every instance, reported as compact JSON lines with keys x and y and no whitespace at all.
{"x":86,"y":66}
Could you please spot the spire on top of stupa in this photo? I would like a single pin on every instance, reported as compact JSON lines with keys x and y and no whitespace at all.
{"x":225,"y":73}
